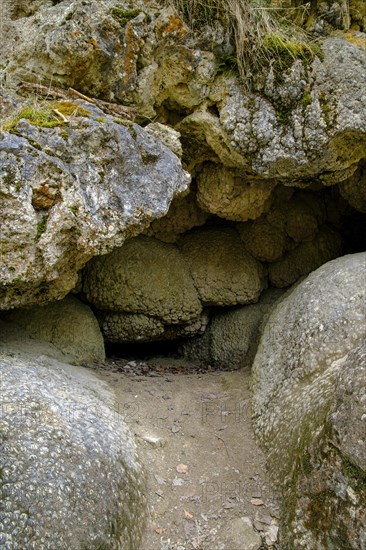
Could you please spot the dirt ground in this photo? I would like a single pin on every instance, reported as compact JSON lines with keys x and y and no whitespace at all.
{"x":205,"y":471}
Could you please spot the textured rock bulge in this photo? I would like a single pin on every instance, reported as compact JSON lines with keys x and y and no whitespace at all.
{"x":311,"y":349}
{"x":70,"y":476}
{"x":146,"y":276}
{"x":68,"y":324}
{"x":231,"y":338}
{"x":223,"y":272}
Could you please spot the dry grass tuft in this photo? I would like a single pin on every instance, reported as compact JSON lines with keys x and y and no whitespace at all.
{"x":260,"y":33}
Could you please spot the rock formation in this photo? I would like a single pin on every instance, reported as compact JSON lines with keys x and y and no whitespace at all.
{"x":306,"y":374}
{"x":67,"y":324}
{"x":166,"y":162}
{"x":70,"y":476}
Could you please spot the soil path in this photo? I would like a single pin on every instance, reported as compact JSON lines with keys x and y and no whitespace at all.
{"x":205,"y":471}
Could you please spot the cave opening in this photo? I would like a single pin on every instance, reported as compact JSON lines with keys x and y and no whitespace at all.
{"x":143,"y":350}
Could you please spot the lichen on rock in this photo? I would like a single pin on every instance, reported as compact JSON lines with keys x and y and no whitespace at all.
{"x":311,"y":350}
{"x":75,"y":196}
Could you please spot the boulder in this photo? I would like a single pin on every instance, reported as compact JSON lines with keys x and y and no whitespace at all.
{"x":231,"y":339}
{"x":183,"y":214}
{"x":74,"y":191}
{"x":144,"y":276}
{"x":264,"y":241}
{"x":70,"y":475}
{"x":223,"y":272}
{"x":307,"y":123}
{"x":308,"y":390}
{"x":229,"y":194}
{"x":137,"y":327}
{"x":90,"y":46}
{"x":68,"y":324}
{"x":306,"y":257}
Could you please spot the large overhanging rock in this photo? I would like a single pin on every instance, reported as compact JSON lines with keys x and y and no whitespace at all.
{"x":313,"y":125}
{"x":70,"y":475}
{"x":74,"y":192}
{"x":304,"y":121}
{"x":308,"y":389}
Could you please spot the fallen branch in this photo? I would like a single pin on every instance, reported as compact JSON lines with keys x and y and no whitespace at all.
{"x":50,"y":92}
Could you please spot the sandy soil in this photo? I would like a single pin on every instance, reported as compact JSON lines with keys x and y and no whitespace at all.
{"x":195,"y":439}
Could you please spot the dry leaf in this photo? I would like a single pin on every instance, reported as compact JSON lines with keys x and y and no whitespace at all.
{"x":182,"y":468}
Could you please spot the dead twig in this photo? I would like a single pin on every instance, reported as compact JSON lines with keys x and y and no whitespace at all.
{"x":62,"y":117}
{"x":79,"y":95}
{"x":50,"y":92}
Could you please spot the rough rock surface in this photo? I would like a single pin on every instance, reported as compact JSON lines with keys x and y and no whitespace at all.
{"x":354,"y":189}
{"x":264,"y":241}
{"x":71,"y":193}
{"x":228,"y":194}
{"x":136,"y":327}
{"x":143,"y":276}
{"x":68,"y":324}
{"x":230,"y":340}
{"x":167,"y":135}
{"x":307,"y":373}
{"x":324,"y":139}
{"x":184,"y":213}
{"x":223,"y":272}
{"x":304,"y":121}
{"x":306,"y":257}
{"x":70,"y":477}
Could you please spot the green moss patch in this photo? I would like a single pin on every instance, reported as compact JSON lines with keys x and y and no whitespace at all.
{"x":124,"y":16}
{"x":285,"y":52}
{"x":44,"y":114}
{"x":41,"y":227}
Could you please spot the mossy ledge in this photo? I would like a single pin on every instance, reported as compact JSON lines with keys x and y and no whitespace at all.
{"x":45,"y":114}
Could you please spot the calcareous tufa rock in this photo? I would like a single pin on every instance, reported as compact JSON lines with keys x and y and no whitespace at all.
{"x":67,"y":324}
{"x":308,"y":390}
{"x":144,"y":276}
{"x":70,"y":475}
{"x":71,"y":193}
{"x":223,"y":272}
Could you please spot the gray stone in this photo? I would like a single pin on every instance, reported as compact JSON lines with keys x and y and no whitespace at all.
{"x":308,"y":390}
{"x":70,"y":476}
{"x":309,"y":143}
{"x":241,"y":535}
{"x":70,"y":194}
{"x":68,"y":324}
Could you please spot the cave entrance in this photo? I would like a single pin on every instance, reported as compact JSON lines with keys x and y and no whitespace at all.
{"x":143,"y":350}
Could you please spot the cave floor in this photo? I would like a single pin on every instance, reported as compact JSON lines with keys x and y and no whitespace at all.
{"x":195,"y":439}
